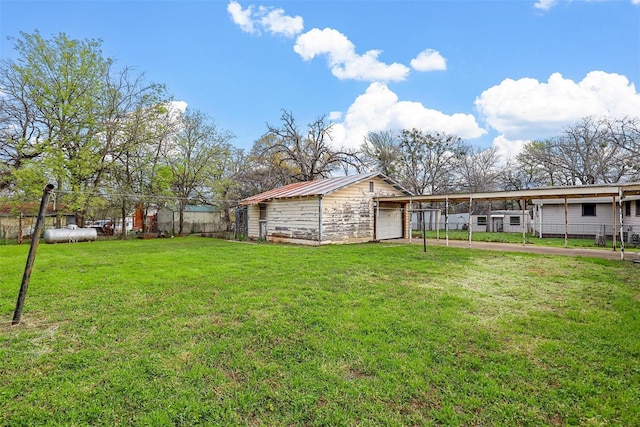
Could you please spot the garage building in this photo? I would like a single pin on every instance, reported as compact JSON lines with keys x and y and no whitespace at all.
{"x":333,"y":210}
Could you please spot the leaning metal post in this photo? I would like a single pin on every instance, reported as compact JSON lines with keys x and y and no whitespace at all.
{"x":32,"y":254}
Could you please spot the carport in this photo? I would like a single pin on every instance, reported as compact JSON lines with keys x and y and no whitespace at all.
{"x":618,"y":194}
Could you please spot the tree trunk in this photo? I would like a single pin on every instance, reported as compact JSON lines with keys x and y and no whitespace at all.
{"x":123,"y":212}
{"x":181,"y":218}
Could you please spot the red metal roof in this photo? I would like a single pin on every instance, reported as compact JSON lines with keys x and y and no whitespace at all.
{"x":318,"y":187}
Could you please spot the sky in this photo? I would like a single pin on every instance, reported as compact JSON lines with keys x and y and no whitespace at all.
{"x":493,"y":72}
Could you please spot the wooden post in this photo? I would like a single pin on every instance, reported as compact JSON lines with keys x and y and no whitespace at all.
{"x":566,"y":223}
{"x":375,"y":222}
{"x":446,"y":219}
{"x":613,"y":230}
{"x":438,"y":221}
{"x":540,"y":219}
{"x":32,"y":254}
{"x":424,"y":231}
{"x":524,"y":226}
{"x":470,"y":231}
{"x":410,"y":219}
{"x":620,"y":197}
{"x":20,"y":229}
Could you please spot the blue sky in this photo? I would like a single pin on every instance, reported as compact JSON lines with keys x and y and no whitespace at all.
{"x":492,"y":72}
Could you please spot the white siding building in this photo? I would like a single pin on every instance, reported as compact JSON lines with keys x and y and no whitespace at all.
{"x":586,"y":217}
{"x":502,"y":221}
{"x":334,"y":210}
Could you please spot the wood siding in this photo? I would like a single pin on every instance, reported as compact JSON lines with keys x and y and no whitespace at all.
{"x":253,"y":216}
{"x":293,"y":219}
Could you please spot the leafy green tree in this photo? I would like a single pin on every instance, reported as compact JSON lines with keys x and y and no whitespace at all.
{"x":20,"y":135}
{"x":64,"y":80}
{"x":267,"y":168}
{"x":69,"y":116}
{"x":230,"y":186}
{"x":381,"y":151}
{"x":429,"y":161}
{"x":541,"y":159}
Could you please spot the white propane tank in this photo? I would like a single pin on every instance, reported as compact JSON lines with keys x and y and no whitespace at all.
{"x":69,"y":235}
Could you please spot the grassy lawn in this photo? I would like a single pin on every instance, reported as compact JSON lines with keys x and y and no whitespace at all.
{"x":197,"y":331}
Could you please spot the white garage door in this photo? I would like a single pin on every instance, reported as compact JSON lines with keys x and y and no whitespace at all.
{"x":389,"y":224}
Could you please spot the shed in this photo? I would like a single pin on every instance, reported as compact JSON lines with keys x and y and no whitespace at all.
{"x":333,"y":210}
{"x":507,"y":221}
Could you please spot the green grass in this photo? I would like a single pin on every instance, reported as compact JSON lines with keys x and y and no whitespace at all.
{"x":197,"y":331}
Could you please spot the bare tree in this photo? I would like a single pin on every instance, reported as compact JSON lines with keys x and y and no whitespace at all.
{"x":479,"y":170}
{"x":625,"y":133}
{"x":139,"y":126}
{"x":585,"y":153}
{"x":588,"y":154}
{"x":519,"y":176}
{"x":306,"y":156}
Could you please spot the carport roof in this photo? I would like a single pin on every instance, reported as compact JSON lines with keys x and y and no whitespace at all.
{"x":569,"y":192}
{"x":319,"y":187}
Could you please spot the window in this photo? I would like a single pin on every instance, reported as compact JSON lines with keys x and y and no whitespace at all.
{"x":482,"y":220}
{"x":514,"y":220}
{"x":637,"y":207}
{"x":588,"y":209}
{"x":627,"y":209}
{"x":371,"y":187}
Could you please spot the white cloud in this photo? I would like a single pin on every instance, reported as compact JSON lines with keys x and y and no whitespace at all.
{"x":342,"y":58}
{"x":178,"y":105}
{"x":339,"y":51}
{"x":276,"y":22}
{"x":429,"y":60}
{"x":335,"y":115}
{"x":241,"y":17}
{"x":548,"y":4}
{"x":528,"y":109}
{"x":273,"y":21}
{"x":545,"y":4}
{"x":380,"y":109}
{"x":508,"y":148}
